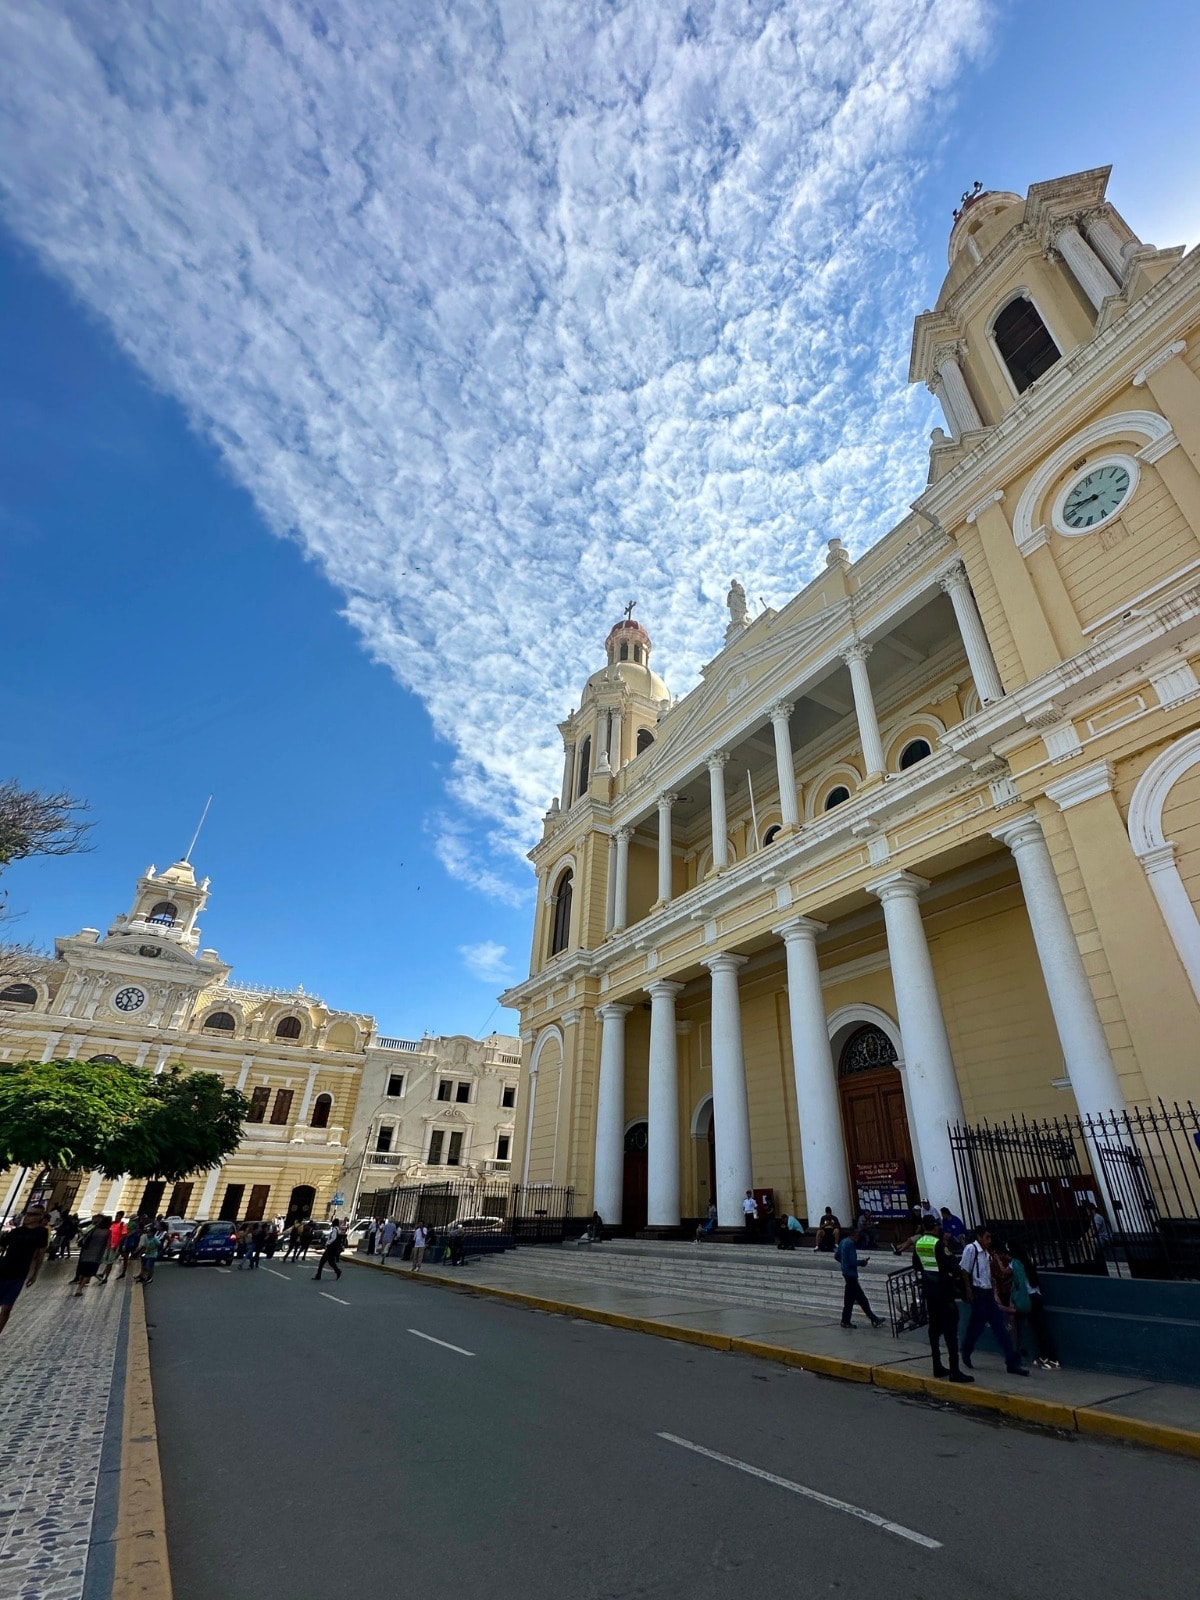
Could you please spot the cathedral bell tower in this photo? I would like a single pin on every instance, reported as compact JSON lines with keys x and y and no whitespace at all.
{"x":165,"y":908}
{"x":618,"y":711}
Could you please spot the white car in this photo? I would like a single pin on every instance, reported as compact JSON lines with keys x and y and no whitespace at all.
{"x":179,"y":1231}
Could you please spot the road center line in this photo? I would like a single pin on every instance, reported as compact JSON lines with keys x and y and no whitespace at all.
{"x":284,"y":1275}
{"x":897,"y":1528}
{"x":325,"y":1296}
{"x":457,"y":1348}
{"x":225,"y":1270}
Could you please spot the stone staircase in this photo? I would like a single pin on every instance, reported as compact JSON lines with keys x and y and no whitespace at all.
{"x":734,"y":1275}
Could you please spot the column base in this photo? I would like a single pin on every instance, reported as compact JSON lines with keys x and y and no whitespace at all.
{"x":872,"y":781}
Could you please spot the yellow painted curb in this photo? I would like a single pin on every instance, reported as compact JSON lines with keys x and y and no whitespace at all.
{"x":141,"y":1569}
{"x":825,"y":1366}
{"x":1155,"y":1435}
{"x":1025,"y":1408}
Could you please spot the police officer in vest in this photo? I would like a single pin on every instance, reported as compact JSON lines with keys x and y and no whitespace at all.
{"x":939,"y":1275}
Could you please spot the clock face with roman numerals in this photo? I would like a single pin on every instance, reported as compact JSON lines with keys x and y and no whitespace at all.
{"x":1096,"y":495}
{"x":130,"y":998}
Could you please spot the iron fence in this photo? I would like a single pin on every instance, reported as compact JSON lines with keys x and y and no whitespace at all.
{"x":526,"y":1213}
{"x":906,"y":1300}
{"x":1034,"y":1181}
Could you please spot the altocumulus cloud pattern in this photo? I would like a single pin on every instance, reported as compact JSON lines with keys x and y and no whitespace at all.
{"x":507,"y":312}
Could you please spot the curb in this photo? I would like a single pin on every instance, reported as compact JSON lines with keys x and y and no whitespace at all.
{"x":1021,"y":1408}
{"x":141,"y":1569}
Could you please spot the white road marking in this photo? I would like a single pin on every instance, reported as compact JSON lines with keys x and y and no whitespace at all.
{"x":286,"y":1276}
{"x":897,"y":1528}
{"x":325,"y":1296}
{"x":457,"y":1348}
{"x":225,"y":1270}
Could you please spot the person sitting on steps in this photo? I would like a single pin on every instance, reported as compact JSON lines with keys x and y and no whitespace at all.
{"x":829,"y":1231}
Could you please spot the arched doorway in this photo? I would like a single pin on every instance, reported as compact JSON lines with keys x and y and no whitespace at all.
{"x":874,"y":1120}
{"x":300,"y":1206}
{"x":633,"y":1197}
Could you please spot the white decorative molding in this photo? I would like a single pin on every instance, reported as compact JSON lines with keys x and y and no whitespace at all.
{"x":1086,"y":784}
{"x":1062,"y":742}
{"x":1116,"y":458}
{"x":878,"y":850}
{"x":1157,"y":853}
{"x":651,"y":960}
{"x":981,"y":506}
{"x":1004,"y":792}
{"x":710,"y":931}
{"x":783,"y":896}
{"x":1037,"y":540}
{"x":1148,"y":425}
{"x":1155,"y":451}
{"x":1167,"y":353}
{"x":1175,"y":684}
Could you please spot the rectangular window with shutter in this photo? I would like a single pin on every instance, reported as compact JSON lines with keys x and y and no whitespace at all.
{"x":445,"y":1088}
{"x":463,"y":1094}
{"x":258,"y":1105}
{"x":454,"y":1155}
{"x":395,"y":1086}
{"x":181,"y":1199}
{"x":503,"y":1145}
{"x":232,"y":1203}
{"x":257,"y":1209}
{"x":436,"y":1140}
{"x":282,"y":1109}
{"x":383,"y":1139}
{"x":508,"y":1096}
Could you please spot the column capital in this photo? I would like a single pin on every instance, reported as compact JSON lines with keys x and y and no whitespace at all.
{"x":781,"y":711}
{"x":977,"y":510}
{"x":1020,"y":832}
{"x":1160,"y":859}
{"x":954,"y":577}
{"x":898,"y":886}
{"x":666,"y":800}
{"x":612,"y":1011}
{"x":858,"y":651}
{"x":624,"y":833}
{"x":947,"y":355}
{"x":664,"y":989}
{"x":718,"y":760}
{"x":1086,"y":784}
{"x":725,"y":961}
{"x":799,"y":930}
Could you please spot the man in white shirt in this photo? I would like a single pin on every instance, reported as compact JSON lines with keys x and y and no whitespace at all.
{"x":750,"y":1214}
{"x":976,"y":1267}
{"x":420,"y":1240}
{"x":387,"y":1238}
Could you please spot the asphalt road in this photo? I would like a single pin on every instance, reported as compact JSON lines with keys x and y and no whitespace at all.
{"x":317,"y":1440}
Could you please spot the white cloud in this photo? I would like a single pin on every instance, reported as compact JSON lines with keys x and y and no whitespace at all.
{"x":507,"y":313}
{"x":486,"y":961}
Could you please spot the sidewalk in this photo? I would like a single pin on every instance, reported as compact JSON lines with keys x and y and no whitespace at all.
{"x":1160,"y":1416}
{"x":58,"y":1357}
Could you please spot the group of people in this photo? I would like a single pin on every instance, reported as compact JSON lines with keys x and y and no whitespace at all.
{"x":104,"y":1243}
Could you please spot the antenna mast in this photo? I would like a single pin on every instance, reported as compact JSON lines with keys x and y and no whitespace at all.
{"x":199,"y":825}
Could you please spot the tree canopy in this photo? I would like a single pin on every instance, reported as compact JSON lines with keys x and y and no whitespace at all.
{"x":116,"y":1118}
{"x":33,"y":823}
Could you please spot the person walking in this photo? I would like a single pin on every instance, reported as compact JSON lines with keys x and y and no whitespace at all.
{"x":330,"y":1254}
{"x":387,"y":1238}
{"x":1029,"y":1308}
{"x":130,"y":1243}
{"x":22,"y":1251}
{"x":938,"y":1267}
{"x":419,"y":1242}
{"x":976,"y":1267}
{"x":846,"y":1256}
{"x":371,"y":1235}
{"x":750,"y":1216}
{"x":93,"y":1246}
{"x":112,"y":1251}
{"x":148,"y":1250}
{"x":293,"y":1241}
{"x":254,"y":1244}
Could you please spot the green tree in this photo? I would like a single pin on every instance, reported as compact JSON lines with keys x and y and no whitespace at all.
{"x":66,"y":1113}
{"x":188,"y":1121}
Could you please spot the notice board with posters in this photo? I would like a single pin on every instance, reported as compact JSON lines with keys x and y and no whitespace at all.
{"x":880,"y":1187}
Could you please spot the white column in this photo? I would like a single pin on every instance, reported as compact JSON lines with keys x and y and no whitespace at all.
{"x":975,"y":641}
{"x":610,"y":907}
{"x":1081,"y":1033}
{"x":568,"y":782}
{"x":663,"y":1156}
{"x":932,"y":1083}
{"x":1106,"y":242}
{"x":306,"y":1099}
{"x":614,"y":741}
{"x":1175,"y":903}
{"x":14,"y":1189}
{"x":114,"y":1193}
{"x":51,"y":1046}
{"x":785,"y":772}
{"x":822,"y":1144}
{"x":621,"y":903}
{"x":1093,"y":277}
{"x":601,"y":740}
{"x":86,"y":1204}
{"x":205,"y":1207}
{"x":731,"y":1108}
{"x":609,"y":1177}
{"x":720,"y":823}
{"x":950,"y":387}
{"x":864,"y":707}
{"x":665,"y":802}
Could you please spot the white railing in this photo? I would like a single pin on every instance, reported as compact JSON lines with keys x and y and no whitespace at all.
{"x":497,"y":1166}
{"x":411,"y":1045}
{"x":380,"y":1158}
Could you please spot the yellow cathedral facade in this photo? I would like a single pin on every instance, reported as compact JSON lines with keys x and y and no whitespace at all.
{"x":923,"y":846}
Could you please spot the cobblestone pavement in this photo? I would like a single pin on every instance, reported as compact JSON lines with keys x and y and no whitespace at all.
{"x":56,"y":1369}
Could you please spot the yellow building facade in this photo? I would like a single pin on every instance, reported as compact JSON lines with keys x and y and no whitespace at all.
{"x":147,"y":993}
{"x":923,"y":846}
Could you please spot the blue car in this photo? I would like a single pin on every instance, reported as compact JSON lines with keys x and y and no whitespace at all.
{"x":209,"y":1241}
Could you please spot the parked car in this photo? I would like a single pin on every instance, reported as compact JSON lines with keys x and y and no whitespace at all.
{"x":179,"y":1231}
{"x":209,"y":1241}
{"x":482,"y":1224}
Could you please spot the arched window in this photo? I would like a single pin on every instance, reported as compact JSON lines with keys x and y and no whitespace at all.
{"x":771,"y":834}
{"x":560,"y":932}
{"x":915,"y":750}
{"x":624,"y":652}
{"x":585,"y":766}
{"x":288,"y":1028}
{"x":104,"y":1061}
{"x":1024,"y":342}
{"x":866,"y":1049}
{"x":644,"y":740}
{"x":220,"y":1021}
{"x":637,"y":654}
{"x":164,"y":913}
{"x":19,"y":994}
{"x":837,"y":796}
{"x":322,"y":1106}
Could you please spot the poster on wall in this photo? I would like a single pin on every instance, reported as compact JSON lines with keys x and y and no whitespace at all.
{"x":881,"y":1187}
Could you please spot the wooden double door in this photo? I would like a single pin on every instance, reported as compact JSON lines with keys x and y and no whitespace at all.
{"x":875,"y":1121}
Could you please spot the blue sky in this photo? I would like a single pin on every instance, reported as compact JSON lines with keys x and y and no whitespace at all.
{"x":356,"y":366}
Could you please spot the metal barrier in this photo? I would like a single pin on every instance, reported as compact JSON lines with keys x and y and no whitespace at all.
{"x":523,"y":1213}
{"x":906,"y":1301}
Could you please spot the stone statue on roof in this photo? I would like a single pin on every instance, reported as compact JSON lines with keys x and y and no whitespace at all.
{"x":736,"y":601}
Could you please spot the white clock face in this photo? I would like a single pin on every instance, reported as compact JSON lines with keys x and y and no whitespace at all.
{"x":1095,"y":495}
{"x":130,"y":998}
